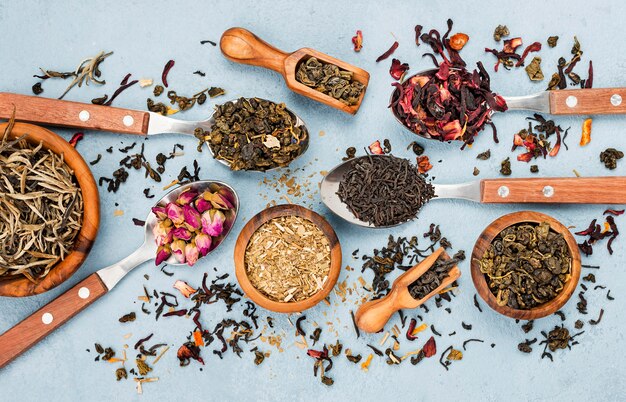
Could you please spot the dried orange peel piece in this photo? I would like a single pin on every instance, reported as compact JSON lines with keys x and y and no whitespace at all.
{"x":585,"y":138}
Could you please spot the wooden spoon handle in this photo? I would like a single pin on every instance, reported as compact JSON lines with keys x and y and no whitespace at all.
{"x":373,"y":315}
{"x":570,"y":190}
{"x":242,"y":46}
{"x":588,"y":101}
{"x":27,"y":333}
{"x":54,"y":112}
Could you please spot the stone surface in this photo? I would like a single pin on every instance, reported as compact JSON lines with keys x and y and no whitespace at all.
{"x":144,"y":35}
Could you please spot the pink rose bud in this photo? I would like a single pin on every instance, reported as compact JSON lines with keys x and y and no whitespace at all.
{"x":213,"y":222}
{"x":184,"y":288}
{"x":186,"y":197}
{"x":178,"y":249}
{"x":163,"y":253}
{"x":162,"y":234}
{"x":217,"y":200}
{"x":181,"y":233}
{"x":203,"y":205}
{"x":175,"y":213}
{"x":192,"y":217}
{"x":191,"y":254}
{"x":203,"y":242}
{"x":160,"y":213}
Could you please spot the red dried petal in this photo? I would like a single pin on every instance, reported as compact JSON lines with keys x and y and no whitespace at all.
{"x":388,"y":52}
{"x":525,"y":157}
{"x":375,"y":148}
{"x":511,"y":44}
{"x":75,"y":138}
{"x":615,"y":212}
{"x":430,"y":348}
{"x":409,"y":332}
{"x":357,"y":40}
{"x":166,"y":70}
{"x":534,"y":47}
{"x":398,"y":69}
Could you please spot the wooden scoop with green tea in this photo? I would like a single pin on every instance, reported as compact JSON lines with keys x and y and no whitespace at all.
{"x":242,"y":46}
{"x":44,"y":321}
{"x":373,"y":315}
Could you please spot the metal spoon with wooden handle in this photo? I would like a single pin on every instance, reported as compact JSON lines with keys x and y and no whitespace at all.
{"x":43,"y":322}
{"x":61,"y":113}
{"x":373,"y":315}
{"x":242,"y":46}
{"x":569,"y":190}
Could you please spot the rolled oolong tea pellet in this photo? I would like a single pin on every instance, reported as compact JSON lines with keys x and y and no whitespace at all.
{"x":330,"y":80}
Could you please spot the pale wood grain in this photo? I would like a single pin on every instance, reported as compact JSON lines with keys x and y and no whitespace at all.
{"x":242,"y":46}
{"x":373,"y":315}
{"x":242,"y":242}
{"x":568,"y":190}
{"x":20,"y":286}
{"x":589,"y":101}
{"x":485,"y":239}
{"x":34,"y":109}
{"x":29,"y":332}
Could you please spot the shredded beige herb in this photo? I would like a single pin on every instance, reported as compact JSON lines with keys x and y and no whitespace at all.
{"x":288,"y":259}
{"x":41,"y":208}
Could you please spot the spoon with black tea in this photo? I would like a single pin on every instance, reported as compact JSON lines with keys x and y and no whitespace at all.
{"x":564,"y":190}
{"x":407,"y":95}
{"x":62,"y":113}
{"x":40,"y":324}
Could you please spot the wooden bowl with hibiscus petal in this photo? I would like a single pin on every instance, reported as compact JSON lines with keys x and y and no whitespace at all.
{"x":240,"y":266}
{"x":486,"y":238}
{"x":21,"y":286}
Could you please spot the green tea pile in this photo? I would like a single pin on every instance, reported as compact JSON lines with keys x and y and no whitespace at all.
{"x":255,"y":134}
{"x":526,"y":265}
{"x":330,"y":80}
{"x":41,"y":208}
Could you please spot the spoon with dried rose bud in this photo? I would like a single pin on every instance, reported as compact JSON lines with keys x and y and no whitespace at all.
{"x":185,"y":225}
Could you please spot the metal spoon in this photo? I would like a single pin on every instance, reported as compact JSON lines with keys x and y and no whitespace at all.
{"x":54,"y":112}
{"x":40,"y":324}
{"x":570,"y":190}
{"x":556,"y":102}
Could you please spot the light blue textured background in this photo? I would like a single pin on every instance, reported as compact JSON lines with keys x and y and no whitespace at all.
{"x":144,"y":35}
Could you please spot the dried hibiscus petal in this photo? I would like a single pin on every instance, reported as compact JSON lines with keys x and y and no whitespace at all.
{"x":357,"y":40}
{"x":534,"y":47}
{"x":166,"y":70}
{"x":511,"y":44}
{"x":398,"y":69}
{"x":375,"y":148}
{"x":430,"y":347}
{"x":423,"y":164}
{"x":615,"y":212}
{"x":388,"y":52}
{"x":458,"y":41}
{"x":187,"y":352}
{"x":75,"y":138}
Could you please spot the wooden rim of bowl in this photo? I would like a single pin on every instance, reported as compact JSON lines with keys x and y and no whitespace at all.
{"x":242,"y":242}
{"x":21,"y":286}
{"x":485,"y":239}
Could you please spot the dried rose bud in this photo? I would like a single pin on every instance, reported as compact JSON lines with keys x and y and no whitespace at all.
{"x":160,"y":212}
{"x":218,"y":201}
{"x":175,"y":213}
{"x":162,"y":234}
{"x":203,"y":205}
{"x":186,"y":197}
{"x":192,"y":217}
{"x":184,"y":288}
{"x":213,"y":222}
{"x":191,"y":254}
{"x":203,"y":242}
{"x":178,"y":249}
{"x":163,"y":253}
{"x":181,"y":233}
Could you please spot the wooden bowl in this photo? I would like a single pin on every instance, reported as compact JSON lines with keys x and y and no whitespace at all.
{"x":251,"y":227}
{"x":485,"y":239}
{"x":21,"y":286}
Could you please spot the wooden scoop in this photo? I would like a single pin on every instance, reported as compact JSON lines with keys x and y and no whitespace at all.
{"x":242,"y":46}
{"x":373,"y":315}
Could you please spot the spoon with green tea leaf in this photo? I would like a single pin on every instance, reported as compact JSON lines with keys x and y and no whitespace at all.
{"x":268,"y":151}
{"x":559,"y":190}
{"x":219,"y":205}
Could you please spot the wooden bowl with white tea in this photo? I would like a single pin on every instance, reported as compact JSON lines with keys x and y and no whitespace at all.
{"x":49,"y":210}
{"x":287,"y":258}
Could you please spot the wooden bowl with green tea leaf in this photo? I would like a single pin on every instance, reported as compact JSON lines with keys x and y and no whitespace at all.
{"x":287,"y":258}
{"x":526,"y":265}
{"x":50,"y":207}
